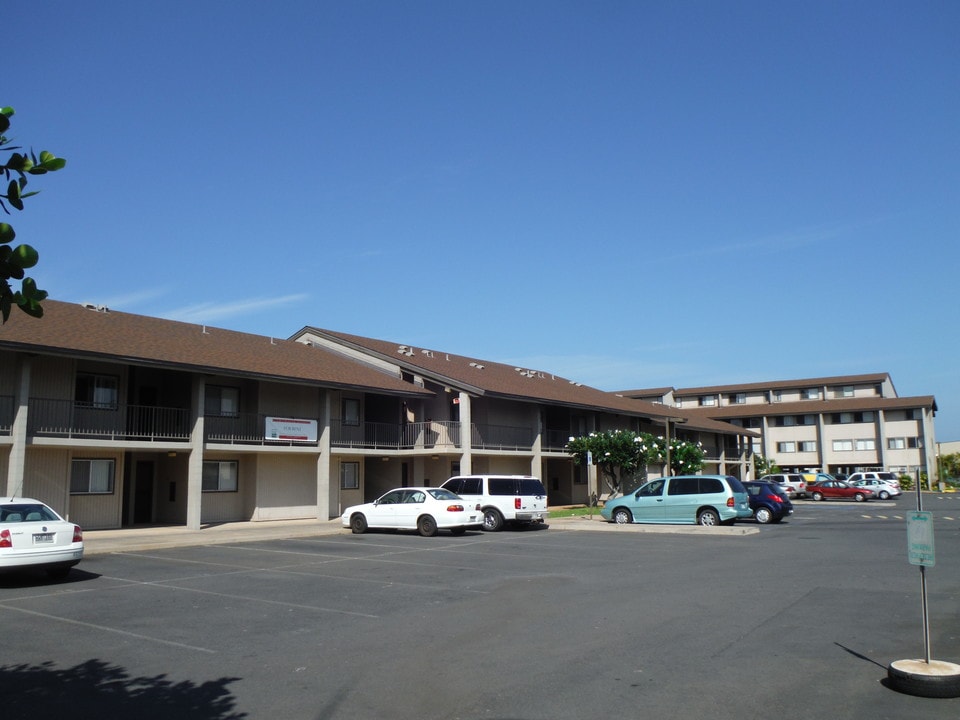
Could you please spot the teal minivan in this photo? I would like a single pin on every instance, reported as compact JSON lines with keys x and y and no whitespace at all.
{"x":686,"y":499}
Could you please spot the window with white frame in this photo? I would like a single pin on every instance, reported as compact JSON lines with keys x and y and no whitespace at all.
{"x":708,"y":400}
{"x":808,"y":446}
{"x":91,"y":476}
{"x":349,"y":475}
{"x":350,"y":409}
{"x":221,"y":401}
{"x":738,"y":399}
{"x":777,"y":396}
{"x":786,"y":447}
{"x":220,"y":475}
{"x":842,"y":445}
{"x":866,"y":444}
{"x":811,"y":394}
{"x":97,"y":391}
{"x":896,"y":443}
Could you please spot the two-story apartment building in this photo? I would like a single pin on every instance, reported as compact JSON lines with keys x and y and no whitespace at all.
{"x":839,"y":424}
{"x":117,"y":419}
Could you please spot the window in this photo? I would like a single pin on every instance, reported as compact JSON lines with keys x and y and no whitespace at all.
{"x":786,"y":421}
{"x":845,"y":391}
{"x":220,"y":475}
{"x":777,"y":396}
{"x":91,"y":477}
{"x":738,"y":399}
{"x":220,"y":401}
{"x":786,"y":447}
{"x":753,"y":422}
{"x":96,"y":391}
{"x":866,"y":444}
{"x":350,"y":409}
{"x":708,"y":400}
{"x":349,"y":475}
{"x":808,"y":446}
{"x":896,"y":443}
{"x":842,"y":445}
{"x":811,"y":394}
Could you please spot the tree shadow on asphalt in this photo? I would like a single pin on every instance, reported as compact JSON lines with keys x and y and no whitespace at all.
{"x":98,"y":689}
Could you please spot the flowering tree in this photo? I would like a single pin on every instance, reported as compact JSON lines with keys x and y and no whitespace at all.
{"x":622,"y":456}
{"x":15,"y":260}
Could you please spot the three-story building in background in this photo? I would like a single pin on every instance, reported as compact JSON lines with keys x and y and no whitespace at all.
{"x":840,"y":424}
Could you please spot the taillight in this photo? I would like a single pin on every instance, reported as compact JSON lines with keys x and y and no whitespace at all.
{"x":477,"y":508}
{"x":516,"y":503}
{"x":5,"y":540}
{"x":731,"y":502}
{"x":776,"y":498}
{"x":77,"y":534}
{"x":454,"y":508}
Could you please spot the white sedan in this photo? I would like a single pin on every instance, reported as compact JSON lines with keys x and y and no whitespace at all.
{"x":881,"y":488}
{"x":425,"y":509}
{"x":32,"y":535}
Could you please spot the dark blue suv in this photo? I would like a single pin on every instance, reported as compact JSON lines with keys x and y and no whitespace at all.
{"x":768,"y":501}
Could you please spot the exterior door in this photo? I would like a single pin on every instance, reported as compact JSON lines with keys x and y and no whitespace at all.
{"x":143,"y":493}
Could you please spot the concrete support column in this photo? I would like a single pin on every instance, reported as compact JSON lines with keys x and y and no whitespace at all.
{"x":195,"y":462}
{"x":466,"y":435}
{"x":536,"y":462}
{"x":17,"y":461}
{"x":324,"y":471}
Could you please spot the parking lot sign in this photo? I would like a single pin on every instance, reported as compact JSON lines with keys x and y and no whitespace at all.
{"x":920,"y":538}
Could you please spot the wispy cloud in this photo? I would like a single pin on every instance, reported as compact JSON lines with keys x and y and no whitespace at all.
{"x":778,"y":242}
{"x":210,"y":311}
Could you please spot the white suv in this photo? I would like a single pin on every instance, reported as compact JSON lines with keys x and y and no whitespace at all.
{"x":503,"y":498}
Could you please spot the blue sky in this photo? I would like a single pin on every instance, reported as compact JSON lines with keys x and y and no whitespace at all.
{"x":628,"y":194}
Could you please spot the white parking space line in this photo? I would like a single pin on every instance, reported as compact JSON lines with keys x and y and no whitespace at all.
{"x":166,"y":584}
{"x":104,"y":628}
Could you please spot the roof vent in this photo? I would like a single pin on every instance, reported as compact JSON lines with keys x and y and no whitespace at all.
{"x":96,"y":308}
{"x":476,"y":365}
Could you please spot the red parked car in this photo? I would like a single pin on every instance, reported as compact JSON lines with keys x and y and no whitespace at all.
{"x":838,"y":489}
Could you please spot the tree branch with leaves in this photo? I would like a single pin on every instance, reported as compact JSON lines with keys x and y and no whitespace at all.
{"x":16,"y":260}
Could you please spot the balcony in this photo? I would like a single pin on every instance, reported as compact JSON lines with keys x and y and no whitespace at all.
{"x":69,"y":419}
{"x":433,"y":435}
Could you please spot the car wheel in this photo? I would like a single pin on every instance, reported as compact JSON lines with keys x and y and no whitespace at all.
{"x":358,"y":524}
{"x":859,"y":497}
{"x":622,"y":516}
{"x":884,"y":495}
{"x":427,"y":526}
{"x":492,"y":520}
{"x":818,"y":496}
{"x":708,"y":517}
{"x":763,"y":515}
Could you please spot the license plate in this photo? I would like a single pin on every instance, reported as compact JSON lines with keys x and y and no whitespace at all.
{"x":42,"y":538}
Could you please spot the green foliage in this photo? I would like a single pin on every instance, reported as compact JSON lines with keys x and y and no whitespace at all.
{"x":950,"y":466}
{"x":622,"y":456}
{"x":763,"y":466}
{"x":906,"y":482}
{"x":15,"y":260}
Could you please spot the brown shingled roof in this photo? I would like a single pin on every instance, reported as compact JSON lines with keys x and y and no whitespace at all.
{"x":784,"y":384}
{"x":484,"y":377}
{"x":74,"y":330}
{"x":801,"y":407}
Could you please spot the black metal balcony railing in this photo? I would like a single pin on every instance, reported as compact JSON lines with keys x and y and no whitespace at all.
{"x":432,"y":435}
{"x":69,"y":419}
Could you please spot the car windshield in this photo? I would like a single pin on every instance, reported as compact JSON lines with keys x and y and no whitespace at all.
{"x":27,"y":512}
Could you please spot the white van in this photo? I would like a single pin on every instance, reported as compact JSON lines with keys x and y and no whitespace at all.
{"x":503,"y":498}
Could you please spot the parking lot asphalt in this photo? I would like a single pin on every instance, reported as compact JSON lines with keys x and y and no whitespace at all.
{"x":96,"y":542}
{"x":797,"y":620}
